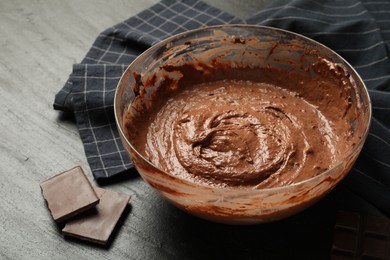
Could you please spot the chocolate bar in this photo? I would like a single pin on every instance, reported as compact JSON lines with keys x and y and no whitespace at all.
{"x":360,"y":237}
{"x":68,"y":194}
{"x":97,"y":225}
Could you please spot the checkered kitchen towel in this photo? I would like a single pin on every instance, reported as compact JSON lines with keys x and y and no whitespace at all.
{"x":358,"y":30}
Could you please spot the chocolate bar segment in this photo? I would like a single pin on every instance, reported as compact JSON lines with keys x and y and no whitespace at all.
{"x":361,"y":237}
{"x":68,"y":194}
{"x":97,"y":225}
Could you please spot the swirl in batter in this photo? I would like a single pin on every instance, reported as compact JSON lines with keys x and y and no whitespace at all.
{"x":239,"y":133}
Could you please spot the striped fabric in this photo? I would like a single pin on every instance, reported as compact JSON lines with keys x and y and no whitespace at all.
{"x":358,"y":30}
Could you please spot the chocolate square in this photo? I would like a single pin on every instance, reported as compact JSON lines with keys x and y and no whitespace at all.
{"x":345,"y":241}
{"x":375,"y":248}
{"x":68,"y":194}
{"x":97,"y":225}
{"x":361,"y":237}
{"x":378,"y":227}
{"x":348,"y":220}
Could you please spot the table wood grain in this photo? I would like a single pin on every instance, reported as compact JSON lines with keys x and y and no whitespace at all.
{"x":39,"y":43}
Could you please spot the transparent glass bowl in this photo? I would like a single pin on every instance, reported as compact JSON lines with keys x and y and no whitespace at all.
{"x":227,"y":42}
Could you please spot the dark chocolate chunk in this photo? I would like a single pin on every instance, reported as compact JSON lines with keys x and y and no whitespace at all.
{"x":68,"y":194}
{"x":97,"y":225}
{"x":361,"y":237}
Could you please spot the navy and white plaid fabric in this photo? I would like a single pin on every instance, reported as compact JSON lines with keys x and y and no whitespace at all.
{"x":358,"y":30}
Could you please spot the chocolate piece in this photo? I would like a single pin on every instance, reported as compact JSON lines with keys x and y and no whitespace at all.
{"x":68,"y":194}
{"x":97,"y":225}
{"x":357,"y":237}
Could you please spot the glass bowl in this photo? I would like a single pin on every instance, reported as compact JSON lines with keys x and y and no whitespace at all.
{"x":247,"y":47}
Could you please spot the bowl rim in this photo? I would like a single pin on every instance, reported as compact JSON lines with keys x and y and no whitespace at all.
{"x":165,"y":41}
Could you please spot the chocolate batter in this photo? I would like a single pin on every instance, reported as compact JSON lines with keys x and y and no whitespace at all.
{"x":244,"y":128}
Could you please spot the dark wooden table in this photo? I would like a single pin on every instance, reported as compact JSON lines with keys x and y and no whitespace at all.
{"x":39,"y":42}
